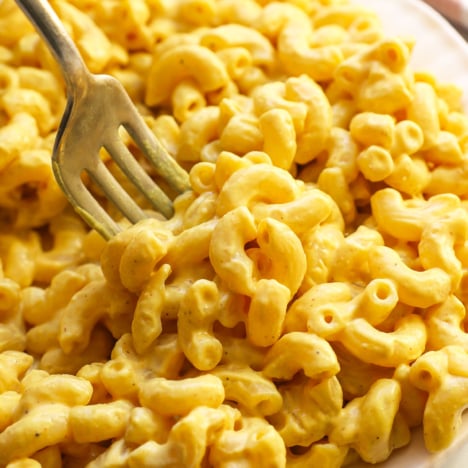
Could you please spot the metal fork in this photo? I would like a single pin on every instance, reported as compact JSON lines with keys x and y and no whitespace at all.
{"x":97,"y":106}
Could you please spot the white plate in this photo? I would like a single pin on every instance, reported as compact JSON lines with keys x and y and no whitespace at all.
{"x":442,"y":51}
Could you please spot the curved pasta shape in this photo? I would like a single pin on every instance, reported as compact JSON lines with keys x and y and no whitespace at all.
{"x":438,"y":240}
{"x":446,"y":150}
{"x":42,"y":415}
{"x":292,"y":29}
{"x":368,"y":424}
{"x":12,"y":336}
{"x":297,"y":351}
{"x":180,"y":63}
{"x":237,"y":35}
{"x":342,"y":152}
{"x":241,"y":134}
{"x":374,"y":304}
{"x":105,"y":421}
{"x":445,"y":178}
{"x":146,"y":323}
{"x":444,"y":324}
{"x":443,"y":375}
{"x":249,"y":389}
{"x":415,"y":288}
{"x":168,"y":397}
{"x":318,"y":123}
{"x":201,"y":210}
{"x":267,"y":311}
{"x":238,"y":62}
{"x":192,"y":245}
{"x":144,"y":424}
{"x":30,"y":166}
{"x":13,"y":365}
{"x":256,"y":437}
{"x":320,"y":402}
{"x":191,"y":435}
{"x":405,"y":219}
{"x":413,"y":399}
{"x":130,"y":257}
{"x":186,"y":99}
{"x":408,"y":138}
{"x":383,"y":91}
{"x":351,"y":262}
{"x":197,"y":313}
{"x":20,"y":134}
{"x":401,"y":346}
{"x":279,"y":137}
{"x":196,"y":132}
{"x":227,"y":250}
{"x":423,"y":111}
{"x":239,"y":352}
{"x":281,"y":255}
{"x":394,"y":53}
{"x":320,"y":245}
{"x":77,"y":322}
{"x":301,"y":215}
{"x":332,"y":180}
{"x":20,"y":439}
{"x":140,"y":257}
{"x":165,"y":359}
{"x":370,"y":128}
{"x":298,"y":57}
{"x":228,"y":163}
{"x":410,"y":175}
{"x":18,"y":100}
{"x":272,"y":96}
{"x":377,"y":301}
{"x":375,"y":163}
{"x":302,"y":310}
{"x":257,"y":183}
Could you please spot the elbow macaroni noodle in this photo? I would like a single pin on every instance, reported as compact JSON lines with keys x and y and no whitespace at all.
{"x":306,"y":304}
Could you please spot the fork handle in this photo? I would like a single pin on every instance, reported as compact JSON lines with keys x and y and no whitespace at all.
{"x":52,"y":30}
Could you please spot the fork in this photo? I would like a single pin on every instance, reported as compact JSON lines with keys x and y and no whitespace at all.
{"x":97,"y":107}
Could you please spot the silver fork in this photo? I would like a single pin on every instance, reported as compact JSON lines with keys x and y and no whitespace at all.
{"x":97,"y":107}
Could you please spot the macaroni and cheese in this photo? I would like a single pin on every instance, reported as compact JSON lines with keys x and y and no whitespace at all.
{"x":306,"y":304}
